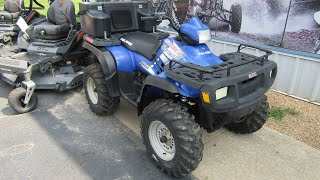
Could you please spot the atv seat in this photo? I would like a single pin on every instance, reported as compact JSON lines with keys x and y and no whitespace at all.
{"x":61,"y":15}
{"x":11,"y":12}
{"x":142,"y":43}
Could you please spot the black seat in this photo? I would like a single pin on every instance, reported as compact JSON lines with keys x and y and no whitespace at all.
{"x":61,"y":15}
{"x":12,"y":10}
{"x":142,"y":43}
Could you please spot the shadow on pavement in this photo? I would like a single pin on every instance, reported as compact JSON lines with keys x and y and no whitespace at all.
{"x":101,"y":147}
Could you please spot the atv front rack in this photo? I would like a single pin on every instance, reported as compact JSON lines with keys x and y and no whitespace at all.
{"x":229,"y":63}
{"x":199,"y":75}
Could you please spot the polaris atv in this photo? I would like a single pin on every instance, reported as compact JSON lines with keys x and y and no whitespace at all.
{"x":13,"y":9}
{"x":47,"y":57}
{"x":181,"y":11}
{"x":176,"y":83}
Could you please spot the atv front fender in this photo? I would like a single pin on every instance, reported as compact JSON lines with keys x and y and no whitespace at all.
{"x":161,"y":84}
{"x":109,"y":68}
{"x":158,"y":83}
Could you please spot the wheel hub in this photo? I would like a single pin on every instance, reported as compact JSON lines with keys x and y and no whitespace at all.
{"x":22,"y":102}
{"x":161,"y":140}
{"x":92,"y":91}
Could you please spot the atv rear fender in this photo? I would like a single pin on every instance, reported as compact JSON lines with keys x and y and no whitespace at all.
{"x":109,"y":67}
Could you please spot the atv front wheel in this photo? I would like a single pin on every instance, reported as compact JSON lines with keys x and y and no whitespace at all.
{"x":235,"y":17}
{"x":252,"y":122}
{"x":16,"y":101}
{"x":172,"y":137}
{"x":96,"y":91}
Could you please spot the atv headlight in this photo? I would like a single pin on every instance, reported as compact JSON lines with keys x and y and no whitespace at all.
{"x":221,"y":93}
{"x":204,"y":36}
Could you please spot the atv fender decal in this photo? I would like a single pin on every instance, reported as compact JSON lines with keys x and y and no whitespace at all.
{"x":164,"y":59}
{"x":204,"y":53}
{"x":252,"y":75}
{"x":172,"y":51}
{"x":147,"y":68}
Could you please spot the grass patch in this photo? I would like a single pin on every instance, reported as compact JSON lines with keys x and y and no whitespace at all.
{"x":279,"y":113}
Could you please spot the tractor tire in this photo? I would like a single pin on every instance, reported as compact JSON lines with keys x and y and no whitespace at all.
{"x":252,"y":122}
{"x":97,"y":93}
{"x":172,"y":137}
{"x":235,"y":17}
{"x":16,"y":98}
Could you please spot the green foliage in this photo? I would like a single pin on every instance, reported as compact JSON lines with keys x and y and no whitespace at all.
{"x":279,"y":113}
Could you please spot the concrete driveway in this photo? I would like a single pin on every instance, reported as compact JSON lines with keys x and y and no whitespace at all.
{"x":63,"y":139}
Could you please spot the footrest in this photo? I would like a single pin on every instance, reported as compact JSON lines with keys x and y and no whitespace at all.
{"x":59,"y":82}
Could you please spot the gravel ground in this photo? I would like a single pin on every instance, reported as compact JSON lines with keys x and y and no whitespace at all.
{"x":303,"y":40}
{"x":304,"y":127}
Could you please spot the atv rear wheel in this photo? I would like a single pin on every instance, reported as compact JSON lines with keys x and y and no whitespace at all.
{"x":235,"y":17}
{"x":97,"y":93}
{"x":88,"y":60}
{"x":16,"y":101}
{"x":252,"y":122}
{"x":172,"y":137}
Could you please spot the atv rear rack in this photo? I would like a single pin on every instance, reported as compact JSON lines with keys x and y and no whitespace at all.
{"x":229,"y":63}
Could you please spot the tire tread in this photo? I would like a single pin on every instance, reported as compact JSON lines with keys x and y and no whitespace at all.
{"x":190,"y":147}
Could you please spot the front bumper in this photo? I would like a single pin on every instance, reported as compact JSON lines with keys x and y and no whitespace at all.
{"x":247,"y":77}
{"x":242,"y":87}
{"x":246,"y":83}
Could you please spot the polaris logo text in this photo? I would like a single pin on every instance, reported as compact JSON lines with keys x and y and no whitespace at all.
{"x":126,"y":41}
{"x":252,"y":75}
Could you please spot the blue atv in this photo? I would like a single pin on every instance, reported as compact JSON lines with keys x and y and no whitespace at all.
{"x":176,"y":83}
